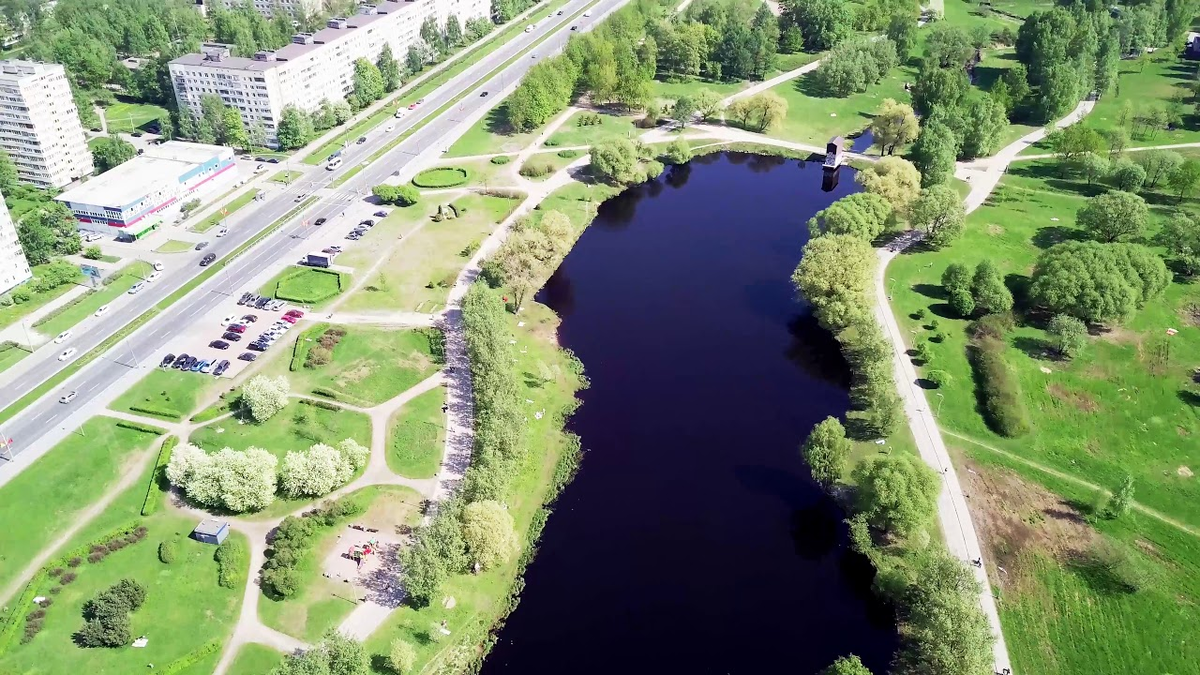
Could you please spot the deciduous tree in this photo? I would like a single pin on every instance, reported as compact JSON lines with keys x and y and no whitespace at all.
{"x":863,"y":214}
{"x":1068,"y":335}
{"x":826,"y":450}
{"x":934,"y":153}
{"x":1114,"y":216}
{"x":847,"y":665}
{"x":939,"y":213}
{"x":389,"y":69}
{"x":487,"y":529}
{"x":264,"y":396}
{"x":988,"y":291}
{"x":894,"y":179}
{"x":295,"y":128}
{"x":834,"y":275}
{"x":1180,"y":236}
{"x":1098,"y":283}
{"x":1158,"y":164}
{"x":111,"y":151}
{"x":1184,"y":179}
{"x":897,"y":492}
{"x":894,"y":125}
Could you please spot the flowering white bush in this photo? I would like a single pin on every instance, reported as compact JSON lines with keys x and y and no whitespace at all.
{"x":236,"y":481}
{"x":354,"y":453}
{"x":265,"y":396}
{"x":321,"y":469}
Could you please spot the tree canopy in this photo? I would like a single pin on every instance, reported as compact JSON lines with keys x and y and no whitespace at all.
{"x":1098,"y":283}
{"x":896,"y":492}
{"x":862,"y":214}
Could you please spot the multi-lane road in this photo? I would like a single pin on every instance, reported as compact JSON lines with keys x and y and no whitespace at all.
{"x":45,"y":421}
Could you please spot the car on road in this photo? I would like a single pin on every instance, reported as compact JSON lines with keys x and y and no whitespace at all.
{"x":167,"y":361}
{"x":587,"y":14}
{"x":158,"y":266}
{"x":319,"y":222}
{"x":223,"y":231}
{"x":560,"y":12}
{"x":529,"y":29}
{"x":483,"y":93}
{"x":533,"y":55}
{"x":231,"y":336}
{"x":399,"y":114}
{"x":381,"y":214}
{"x":154,"y":276}
{"x":219,"y":344}
{"x":249,"y":318}
{"x":201,"y":245}
{"x":221,"y":368}
{"x":67,"y":353}
{"x":62,"y":337}
{"x":136,"y":288}
{"x":68,"y":397}
{"x":300,"y":197}
{"x":412,"y":106}
{"x":574,"y":27}
{"x":101,"y":310}
{"x":420,"y":101}
{"x":208,"y":259}
{"x":247,"y":356}
{"x":361,"y":140}
{"x":389,"y":128}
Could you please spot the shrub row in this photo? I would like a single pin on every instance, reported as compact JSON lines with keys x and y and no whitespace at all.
{"x":292,"y":543}
{"x":157,"y":412}
{"x":322,"y":353}
{"x":158,"y":480}
{"x":327,"y":393}
{"x":144,"y":428}
{"x":63,"y":308}
{"x":304,"y":342}
{"x":232,"y":562}
{"x":998,"y":389}
{"x":441,"y":177}
{"x":324,"y":405}
{"x":342,"y":283}
{"x":15,"y":618}
{"x":192,"y":658}
{"x":536,"y":168}
{"x":501,"y":160}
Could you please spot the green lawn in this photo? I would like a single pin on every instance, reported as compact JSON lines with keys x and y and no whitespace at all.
{"x":306,"y":285}
{"x":297,"y":427}
{"x":572,"y":133}
{"x":230,"y":208}
{"x":551,"y":160}
{"x":1146,"y":87}
{"x":174,"y":246}
{"x":254,"y":659}
{"x":286,"y":176}
{"x":417,"y":434}
{"x":184,"y":608}
{"x":87,"y":304}
{"x":67,"y":479}
{"x":368,"y":366}
{"x":491,"y":135}
{"x":10,"y":354}
{"x":419,"y":272}
{"x":15,"y":312}
{"x":130,"y":117}
{"x":165,"y":393}
{"x":323,"y":603}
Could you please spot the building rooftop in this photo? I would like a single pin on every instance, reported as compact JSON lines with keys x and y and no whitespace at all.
{"x":12,"y":70}
{"x":194,"y":153}
{"x":128,"y":182}
{"x":210,"y":526}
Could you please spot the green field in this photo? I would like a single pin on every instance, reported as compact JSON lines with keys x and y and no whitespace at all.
{"x":254,"y":659}
{"x":130,"y":117}
{"x":165,"y":393}
{"x":15,"y":312}
{"x":174,"y":246}
{"x":417,"y":434}
{"x":420,"y":270}
{"x":297,"y":427}
{"x":306,"y":285}
{"x":368,"y":366}
{"x":63,"y":482}
{"x":230,"y":208}
{"x":286,"y":176}
{"x":9,"y":356}
{"x":1151,"y":85}
{"x":184,"y":608}
{"x":611,"y":126}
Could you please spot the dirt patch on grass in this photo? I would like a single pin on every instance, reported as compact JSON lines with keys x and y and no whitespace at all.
{"x":1080,"y":400}
{"x":1121,"y":336}
{"x":995,"y":230}
{"x":1184,"y":472}
{"x":1016,"y":517}
{"x":1190,"y":314}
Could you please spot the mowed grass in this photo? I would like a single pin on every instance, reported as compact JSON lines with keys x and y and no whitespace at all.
{"x":130,"y":117}
{"x":285,"y":176}
{"x":297,"y":427}
{"x":1146,"y":86}
{"x":492,"y":135}
{"x":417,"y":435}
{"x":229,"y":208}
{"x":10,"y":355}
{"x":254,"y":659}
{"x":184,"y":607}
{"x":44,"y":499}
{"x":323,"y":603}
{"x":174,"y":246}
{"x":171,"y":392}
{"x":368,"y":366}
{"x":611,"y":126}
{"x":15,"y":312}
{"x":418,"y":274}
{"x":305,"y":285}
{"x":88,"y":304}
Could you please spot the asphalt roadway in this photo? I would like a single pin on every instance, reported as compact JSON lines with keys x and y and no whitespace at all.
{"x":33,"y":428}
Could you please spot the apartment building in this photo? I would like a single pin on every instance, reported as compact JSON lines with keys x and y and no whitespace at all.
{"x":314,"y":67}
{"x":297,"y":8}
{"x":14,"y":268}
{"x":39,"y":124}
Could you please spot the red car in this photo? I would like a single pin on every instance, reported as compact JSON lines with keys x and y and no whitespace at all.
{"x":236,"y":328}
{"x":289,"y":319}
{"x":412,"y":106}
{"x":295,"y":312}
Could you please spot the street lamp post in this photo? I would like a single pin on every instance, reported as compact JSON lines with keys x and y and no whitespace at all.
{"x":941,"y":400}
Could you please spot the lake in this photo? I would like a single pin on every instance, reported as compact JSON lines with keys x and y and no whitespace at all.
{"x":693,"y":539}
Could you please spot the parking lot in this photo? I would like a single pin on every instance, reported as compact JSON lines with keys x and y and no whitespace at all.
{"x":229,"y":345}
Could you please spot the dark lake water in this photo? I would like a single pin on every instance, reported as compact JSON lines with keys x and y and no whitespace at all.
{"x":693,"y":540}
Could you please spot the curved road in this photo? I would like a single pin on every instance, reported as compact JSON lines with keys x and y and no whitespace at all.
{"x":34,"y":430}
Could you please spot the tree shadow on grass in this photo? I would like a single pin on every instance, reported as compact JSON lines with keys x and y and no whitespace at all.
{"x":1034,"y":348}
{"x":1056,"y":234}
{"x":496,"y":121}
{"x":1189,"y":397}
{"x":932,"y":291}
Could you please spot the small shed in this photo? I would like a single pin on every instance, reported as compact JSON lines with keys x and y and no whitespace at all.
{"x":833,"y":152}
{"x":1192,"y":49}
{"x":211,"y":531}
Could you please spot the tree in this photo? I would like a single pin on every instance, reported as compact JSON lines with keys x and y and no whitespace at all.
{"x":1114,"y":216}
{"x":521,"y":263}
{"x":453,"y":32}
{"x":945,"y":629}
{"x":8,"y":174}
{"x":1097,"y":283}
{"x":402,"y":657}
{"x":863,"y":214}
{"x":1122,"y":499}
{"x":389,"y":69}
{"x":1069,"y":335}
{"x":1158,"y":164}
{"x":616,"y":161}
{"x":233,"y":130}
{"x":1180,"y":236}
{"x":988,"y":291}
{"x":264,"y":396}
{"x":708,"y":104}
{"x":948,"y":45}
{"x":1093,"y":166}
{"x":938,"y":87}
{"x":934,"y":153}
{"x":107,"y":615}
{"x":368,"y":83}
{"x":336,"y":654}
{"x":1127,"y":175}
{"x":823,"y":23}
{"x":894,"y":125}
{"x":1184,"y":178}
{"x":896,"y":493}
{"x":683,"y":110}
{"x":295,"y":128}
{"x":894,"y":179}
{"x":956,"y":278}
{"x":678,"y":152}
{"x":902,"y":31}
{"x":847,"y":665}
{"x":854,"y":66}
{"x":759,"y":112}
{"x":487,"y":528}
{"x":318,"y":471}
{"x":236,"y":481}
{"x":985,"y":120}
{"x":939,"y":213}
{"x":414,"y":60}
{"x":826,"y":451}
{"x":432,"y":35}
{"x":109,"y":151}
{"x":834,"y":275}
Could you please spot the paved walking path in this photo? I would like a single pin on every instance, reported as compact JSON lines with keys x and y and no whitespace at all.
{"x":395,"y":319}
{"x":1140,"y":148}
{"x":767,"y":84}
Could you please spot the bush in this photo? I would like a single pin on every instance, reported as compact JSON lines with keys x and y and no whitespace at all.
{"x":167,"y":551}
{"x":93,"y":253}
{"x":232,"y":563}
{"x":501,"y":160}
{"x":156,"y":412}
{"x":144,"y":428}
{"x":192,"y":658}
{"x":107,"y":615}
{"x":158,"y":480}
{"x":999,"y":390}
{"x":568,"y":154}
{"x":536,"y":168}
{"x":441,"y":177}
{"x":404,"y":195}
{"x":938,"y":378}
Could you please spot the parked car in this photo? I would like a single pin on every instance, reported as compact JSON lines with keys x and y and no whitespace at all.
{"x":92,"y":236}
{"x":335,"y":248}
{"x":67,"y":353}
{"x":261,"y":303}
{"x":198,"y":365}
{"x":236,"y":328}
{"x":295,"y":312}
{"x":249,"y":318}
{"x":101,"y":310}
{"x":245,"y":296}
{"x":68,"y":397}
{"x":272,"y":160}
{"x":219,"y":344}
{"x":276,"y":305}
{"x":201,"y":245}
{"x":180,"y":360}
{"x":221,"y":368}
{"x":158,"y":266}
{"x":231,"y":336}
{"x":167,"y":361}
{"x":232,"y":318}
{"x":257,"y":346}
{"x":247,"y":356}
{"x":368,"y":222}
{"x":290,"y":319}
{"x":208,"y":259}
{"x":154,"y":276}
{"x":62,"y":337}
{"x":353,"y":237}
{"x":319,"y":221}
{"x":206,"y":367}
{"x":136,"y":288}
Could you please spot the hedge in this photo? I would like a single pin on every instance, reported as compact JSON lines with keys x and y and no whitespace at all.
{"x":62,"y":308}
{"x":232,"y":562}
{"x":144,"y":428}
{"x":188,"y":660}
{"x":157,"y":412}
{"x":304,"y":342}
{"x":324,"y":405}
{"x":327,"y":393}
{"x":342,"y":282}
{"x":15,"y":619}
{"x":155,"y":489}
{"x":441,"y":177}
{"x":501,"y":160}
{"x":998,"y":389}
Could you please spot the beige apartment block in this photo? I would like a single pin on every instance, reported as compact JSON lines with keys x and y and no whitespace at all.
{"x":39,"y":124}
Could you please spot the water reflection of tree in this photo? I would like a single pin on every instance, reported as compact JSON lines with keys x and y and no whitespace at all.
{"x":677,"y":175}
{"x":814,"y":350}
{"x":558,"y":293}
{"x":764,"y":163}
{"x":618,"y":211}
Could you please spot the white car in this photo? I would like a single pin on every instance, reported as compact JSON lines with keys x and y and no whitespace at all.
{"x":260,"y":168}
{"x":68,"y":397}
{"x":389,"y":128}
{"x":587,"y":14}
{"x":136,"y":288}
{"x":101,"y":311}
{"x":399,"y":114}
{"x":300,"y":197}
{"x":62,"y":337}
{"x":68,"y":353}
{"x":223,"y":231}
{"x":529,"y":29}
{"x":158,"y":266}
{"x":153,"y":276}
{"x":92,"y":236}
{"x":229,"y":319}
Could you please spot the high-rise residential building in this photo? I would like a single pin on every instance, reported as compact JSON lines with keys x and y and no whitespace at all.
{"x":297,"y":8}
{"x":14,"y":268}
{"x":314,"y":67}
{"x":39,"y":124}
